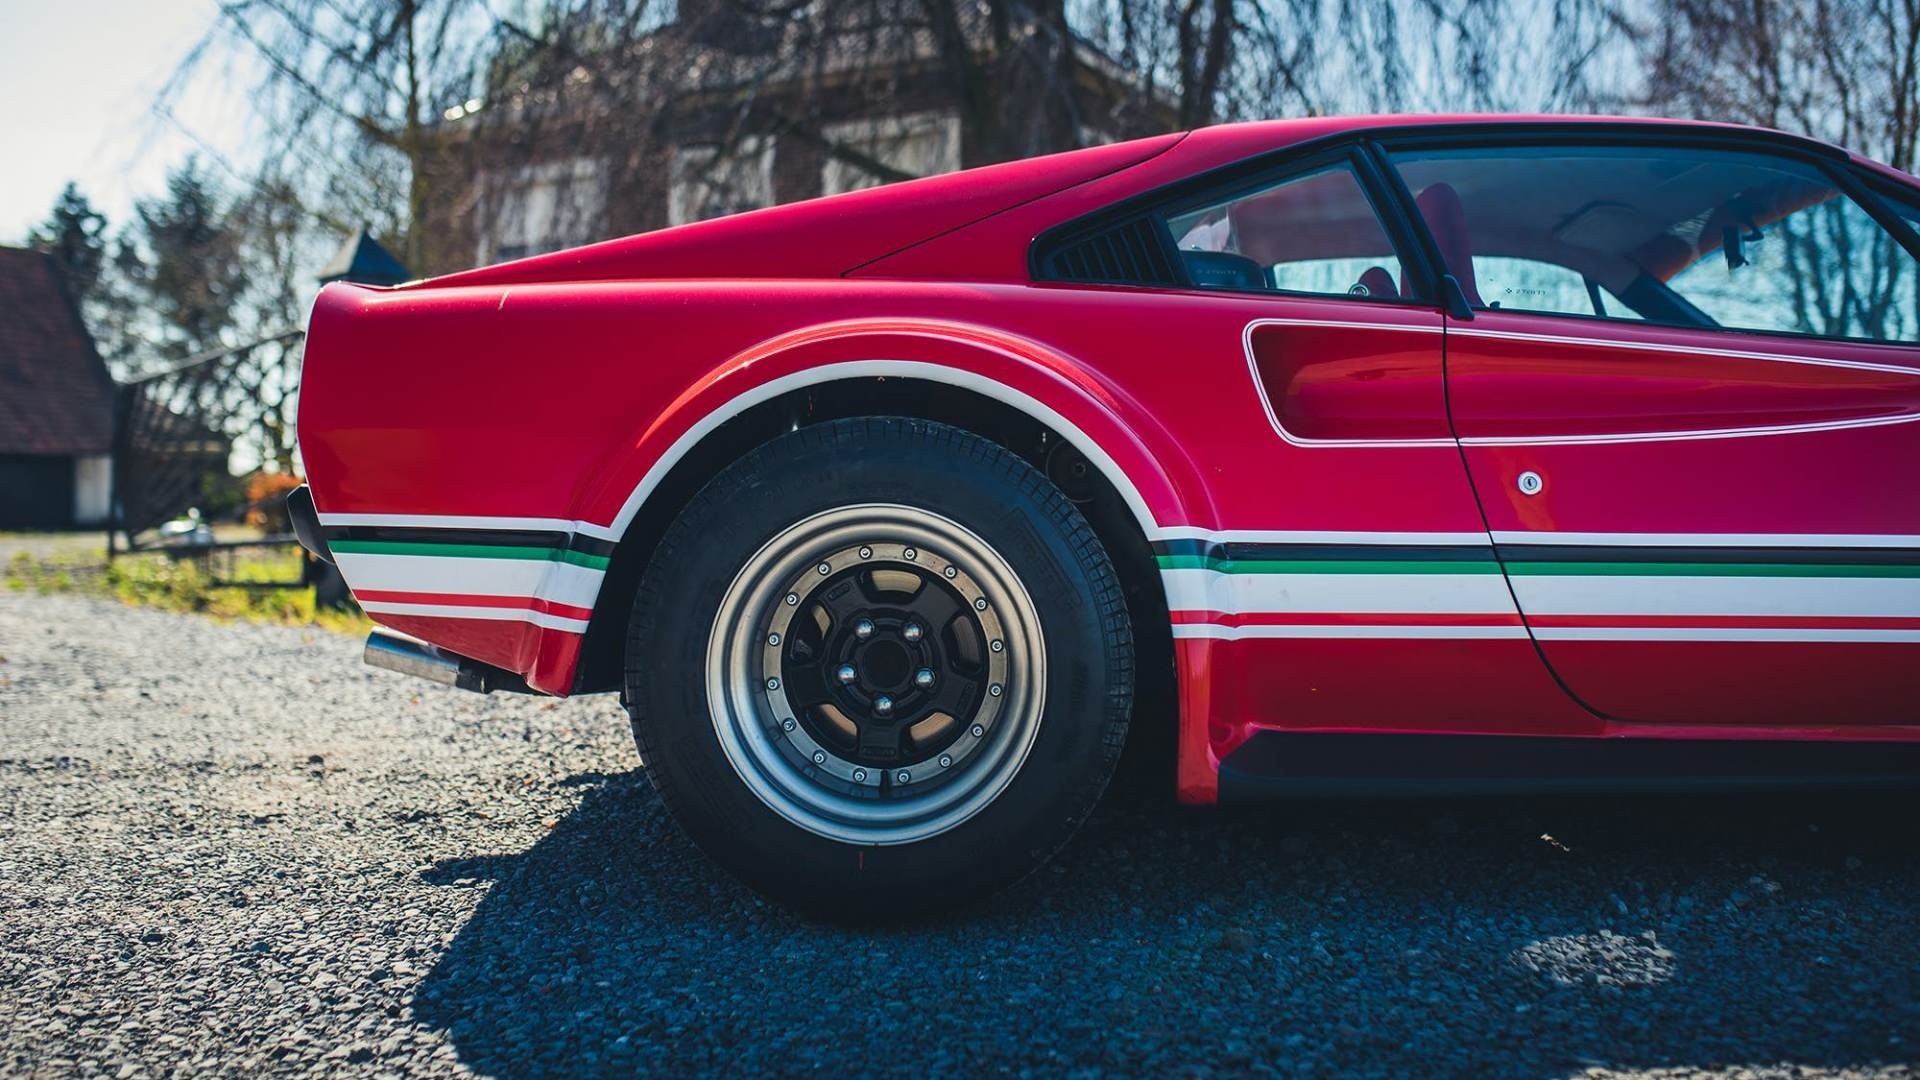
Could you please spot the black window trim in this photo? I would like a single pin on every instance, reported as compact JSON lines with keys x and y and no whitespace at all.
{"x":1836,"y":164}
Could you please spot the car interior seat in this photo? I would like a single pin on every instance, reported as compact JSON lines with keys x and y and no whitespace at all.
{"x":1446,"y":219}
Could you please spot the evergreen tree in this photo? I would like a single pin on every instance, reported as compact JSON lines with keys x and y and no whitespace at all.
{"x":189,"y":273}
{"x":75,"y":234}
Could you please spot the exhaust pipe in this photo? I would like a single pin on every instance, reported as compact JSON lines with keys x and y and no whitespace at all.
{"x":411,"y":656}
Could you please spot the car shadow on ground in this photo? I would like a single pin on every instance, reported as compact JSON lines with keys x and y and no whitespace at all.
{"x":1486,"y":937}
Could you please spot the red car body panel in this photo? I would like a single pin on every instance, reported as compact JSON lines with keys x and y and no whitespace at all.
{"x":555,"y":394}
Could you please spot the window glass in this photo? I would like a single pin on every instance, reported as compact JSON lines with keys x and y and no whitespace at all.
{"x":1312,"y":233}
{"x":1696,"y":237}
{"x":1532,"y":285}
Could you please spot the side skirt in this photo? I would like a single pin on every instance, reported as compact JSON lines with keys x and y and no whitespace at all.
{"x":1278,"y":765}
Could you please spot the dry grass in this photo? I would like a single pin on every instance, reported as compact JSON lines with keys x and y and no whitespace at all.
{"x":151,"y":579}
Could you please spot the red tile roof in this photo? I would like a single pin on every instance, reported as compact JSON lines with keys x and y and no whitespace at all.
{"x":55,"y":394}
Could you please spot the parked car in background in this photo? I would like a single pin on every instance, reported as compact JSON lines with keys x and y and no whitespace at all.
{"x":1386,"y":454}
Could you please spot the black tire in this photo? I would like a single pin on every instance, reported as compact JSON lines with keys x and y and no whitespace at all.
{"x":1037,"y":533}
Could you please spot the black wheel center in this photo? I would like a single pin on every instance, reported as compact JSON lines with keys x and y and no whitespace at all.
{"x":885,"y":665}
{"x":876,"y":652}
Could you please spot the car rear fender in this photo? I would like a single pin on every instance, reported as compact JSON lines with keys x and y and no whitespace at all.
{"x":1115,"y":434}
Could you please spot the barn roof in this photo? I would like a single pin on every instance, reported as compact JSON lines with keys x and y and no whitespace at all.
{"x":55,"y":394}
{"x":365,"y":261}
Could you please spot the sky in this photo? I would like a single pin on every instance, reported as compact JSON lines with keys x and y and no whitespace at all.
{"x":79,"y":78}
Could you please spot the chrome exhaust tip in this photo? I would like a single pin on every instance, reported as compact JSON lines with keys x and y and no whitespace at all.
{"x":395,"y":651}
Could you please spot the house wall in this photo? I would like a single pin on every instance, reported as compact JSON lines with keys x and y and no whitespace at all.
{"x":92,"y":489}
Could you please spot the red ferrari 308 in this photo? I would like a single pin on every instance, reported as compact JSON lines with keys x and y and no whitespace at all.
{"x":1389,"y":454}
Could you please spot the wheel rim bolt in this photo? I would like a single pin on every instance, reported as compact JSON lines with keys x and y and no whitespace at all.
{"x":773,"y":639}
{"x":946,"y":760}
{"x":819,"y":757}
{"x":859,"y":776}
{"x":792,"y":599}
{"x":863,"y":629}
{"x":883,"y":705}
{"x":903,"y":776}
{"x":866,"y":553}
{"x":787,"y":724}
{"x":909,"y":554}
{"x":824,"y":569}
{"x":980,"y":604}
{"x":998,"y":645}
{"x":952,"y":573}
{"x":773,"y":684}
{"x":994,"y":690}
{"x":978,"y":731}
{"x":923,"y":678}
{"x":912,"y":631}
{"x":845,"y":673}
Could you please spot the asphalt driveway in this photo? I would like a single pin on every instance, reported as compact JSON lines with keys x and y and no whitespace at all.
{"x":233,"y":849}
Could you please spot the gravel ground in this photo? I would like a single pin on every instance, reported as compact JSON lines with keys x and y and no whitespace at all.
{"x":233,"y":849}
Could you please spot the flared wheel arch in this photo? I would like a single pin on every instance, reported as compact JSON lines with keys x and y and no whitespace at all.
{"x":1115,"y":516}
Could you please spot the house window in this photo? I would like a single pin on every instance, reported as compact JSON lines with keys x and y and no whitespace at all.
{"x":541,"y":208}
{"x":710,"y":184}
{"x":919,"y":144}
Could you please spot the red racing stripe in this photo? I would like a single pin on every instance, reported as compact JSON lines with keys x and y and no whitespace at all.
{"x":526,"y":603}
{"x":1345,"y":618}
{"x":1718,"y":622}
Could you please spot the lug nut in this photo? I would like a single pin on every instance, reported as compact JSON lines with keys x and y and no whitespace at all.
{"x":845,"y":673}
{"x":863,"y":629}
{"x":912,"y":631}
{"x":923,"y":678}
{"x":883,"y":705}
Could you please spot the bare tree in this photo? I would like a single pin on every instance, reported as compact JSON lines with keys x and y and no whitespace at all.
{"x":1843,"y":70}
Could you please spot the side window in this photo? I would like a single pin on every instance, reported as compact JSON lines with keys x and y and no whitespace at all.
{"x":1314,"y":233}
{"x":1689,"y":236}
{"x":1529,"y":284}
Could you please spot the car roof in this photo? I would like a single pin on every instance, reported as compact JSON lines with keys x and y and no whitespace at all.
{"x":1278,"y":134}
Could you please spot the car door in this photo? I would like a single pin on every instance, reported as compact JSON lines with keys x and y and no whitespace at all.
{"x":1341,"y":577}
{"x":1688,"y":396}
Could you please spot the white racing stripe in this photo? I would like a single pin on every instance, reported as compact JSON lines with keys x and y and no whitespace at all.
{"x":1308,"y":536}
{"x":487,"y":614}
{"x":1456,"y":594}
{"x":559,"y":582}
{"x":1707,"y":596}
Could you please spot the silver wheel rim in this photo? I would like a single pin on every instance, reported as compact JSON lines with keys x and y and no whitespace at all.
{"x":778,"y":749}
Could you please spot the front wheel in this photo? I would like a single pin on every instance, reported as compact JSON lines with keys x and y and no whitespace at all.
{"x":879,"y":666}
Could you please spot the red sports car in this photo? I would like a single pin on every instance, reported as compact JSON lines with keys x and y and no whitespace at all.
{"x":1395,"y":454}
